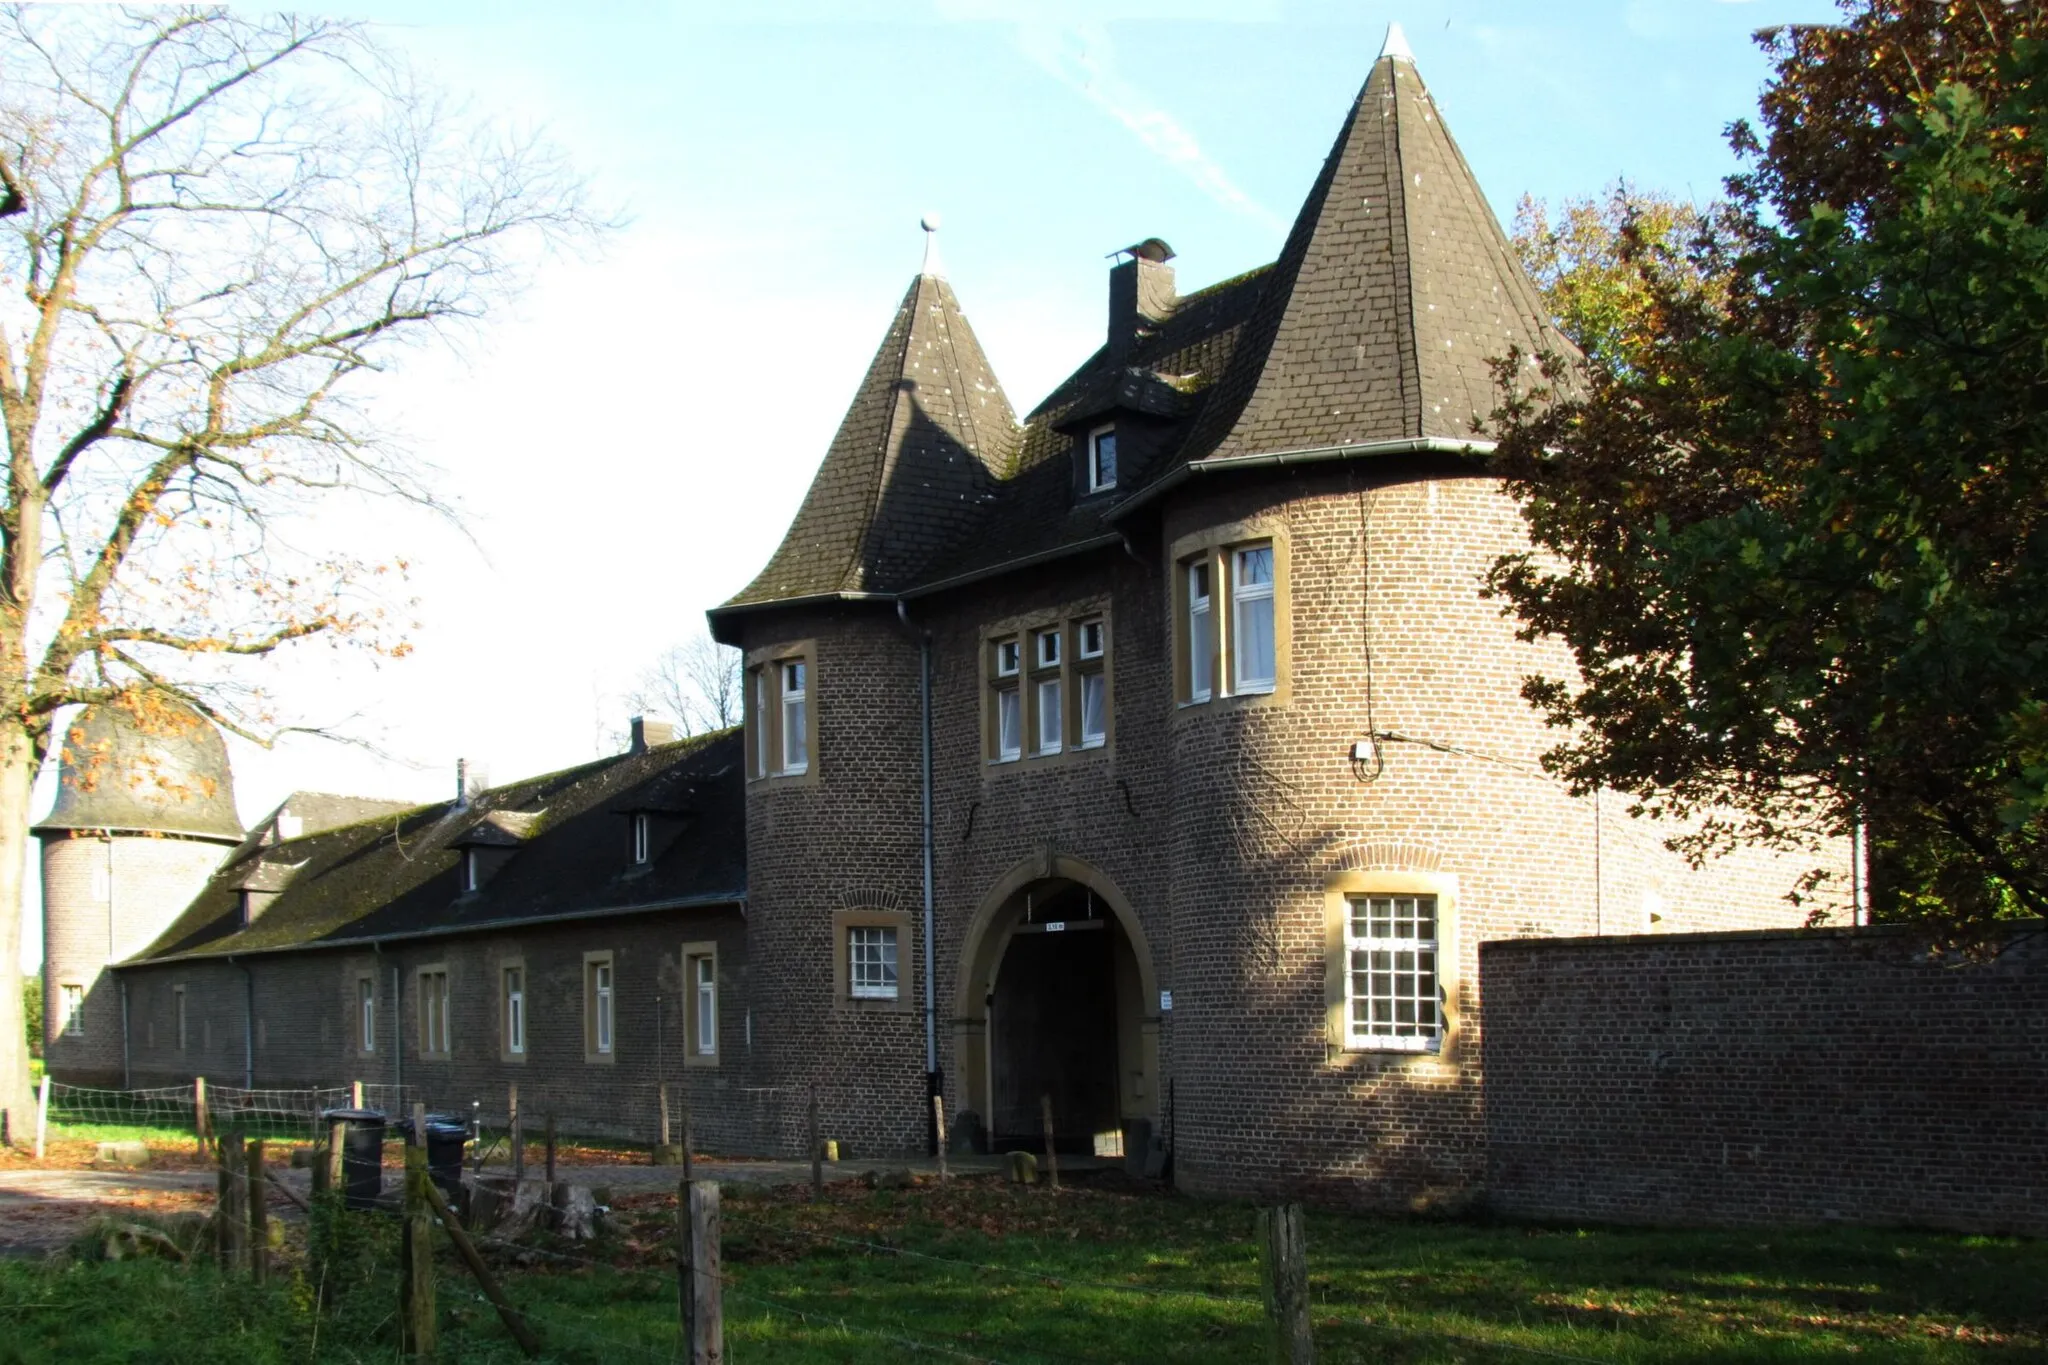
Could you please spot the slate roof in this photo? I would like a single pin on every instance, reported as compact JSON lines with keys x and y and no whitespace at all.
{"x":1374,"y":328}
{"x":154,"y":767}
{"x":914,"y":464}
{"x":395,"y":875}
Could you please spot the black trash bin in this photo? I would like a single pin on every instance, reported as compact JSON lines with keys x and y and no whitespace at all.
{"x":362,"y":1155}
{"x":447,"y":1137}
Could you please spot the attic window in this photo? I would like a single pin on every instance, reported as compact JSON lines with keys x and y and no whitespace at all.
{"x":1101,"y":459}
{"x":642,"y":842}
{"x":472,"y":872}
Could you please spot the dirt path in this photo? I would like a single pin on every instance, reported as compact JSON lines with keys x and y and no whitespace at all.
{"x":43,"y":1209}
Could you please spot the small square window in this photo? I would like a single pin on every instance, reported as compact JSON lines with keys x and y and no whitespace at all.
{"x":1048,"y":653}
{"x":1088,"y":639}
{"x":1007,"y":658}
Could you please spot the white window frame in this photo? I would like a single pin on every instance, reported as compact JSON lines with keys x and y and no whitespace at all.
{"x":1097,"y":683}
{"x":603,"y":989}
{"x":1096,"y":483}
{"x":886,"y":943}
{"x":1246,"y":597}
{"x":436,"y":994}
{"x":366,"y":1015}
{"x":704,"y":999}
{"x":1425,"y":1003}
{"x":1048,"y":705}
{"x":71,"y":1004}
{"x":643,"y":840}
{"x":1201,"y":632}
{"x":1046,"y":648}
{"x":513,"y":979}
{"x":1082,"y":649}
{"x":472,"y":874}
{"x":1009,"y":724}
{"x":795,"y":702}
{"x":1009,"y":657}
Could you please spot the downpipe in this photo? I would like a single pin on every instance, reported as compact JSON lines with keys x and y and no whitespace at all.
{"x":934,"y":1083}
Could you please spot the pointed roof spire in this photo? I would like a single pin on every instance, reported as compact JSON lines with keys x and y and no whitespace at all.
{"x":1395,"y":289}
{"x":912,"y":467}
{"x":933,"y":266}
{"x":1396,"y":45}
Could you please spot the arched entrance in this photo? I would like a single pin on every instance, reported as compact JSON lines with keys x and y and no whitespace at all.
{"x":1058,"y":998}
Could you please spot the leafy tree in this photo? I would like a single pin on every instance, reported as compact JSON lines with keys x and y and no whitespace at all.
{"x":1598,"y":260}
{"x":32,"y":1013}
{"x":214,"y":227}
{"x":1798,"y":545}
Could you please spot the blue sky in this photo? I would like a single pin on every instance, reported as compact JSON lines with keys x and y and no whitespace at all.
{"x":630,"y":437}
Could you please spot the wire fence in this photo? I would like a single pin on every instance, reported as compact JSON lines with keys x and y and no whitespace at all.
{"x":279,"y":1113}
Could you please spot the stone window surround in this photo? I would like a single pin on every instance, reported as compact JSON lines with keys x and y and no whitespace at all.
{"x":692,"y":953}
{"x":765,"y":661}
{"x":842,"y":992}
{"x":1338,"y":890}
{"x":591,"y":962}
{"x":1023,"y":627}
{"x":1215,"y":545}
{"x":428,"y":1052}
{"x":514,"y":962}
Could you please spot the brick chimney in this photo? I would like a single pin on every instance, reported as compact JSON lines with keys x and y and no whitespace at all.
{"x":647,"y":733}
{"x":1141,"y":294}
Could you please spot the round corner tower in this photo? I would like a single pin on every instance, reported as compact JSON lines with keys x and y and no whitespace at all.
{"x":145,"y":810}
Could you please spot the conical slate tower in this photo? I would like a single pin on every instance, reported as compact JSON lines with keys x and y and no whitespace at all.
{"x":915,"y":459}
{"x":1395,"y":289}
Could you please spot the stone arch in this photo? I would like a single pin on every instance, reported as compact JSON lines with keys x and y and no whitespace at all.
{"x":984,"y":946}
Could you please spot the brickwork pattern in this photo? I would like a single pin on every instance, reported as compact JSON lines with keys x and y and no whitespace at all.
{"x":104,"y":899}
{"x":304,"y":1030}
{"x":1831,"y":1076}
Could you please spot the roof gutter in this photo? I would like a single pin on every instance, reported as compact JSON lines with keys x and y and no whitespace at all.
{"x":1224,"y":464}
{"x":815,"y":599}
{"x":712,"y":900}
{"x":1012,"y":565}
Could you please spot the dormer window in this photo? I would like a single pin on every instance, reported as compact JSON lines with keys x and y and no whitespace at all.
{"x":472,"y":871}
{"x":1101,"y":459}
{"x":642,"y":840}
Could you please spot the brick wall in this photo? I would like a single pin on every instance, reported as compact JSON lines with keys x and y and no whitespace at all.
{"x":305,"y":1026}
{"x":1220,"y":826}
{"x":1834,"y":1075}
{"x":103,"y":900}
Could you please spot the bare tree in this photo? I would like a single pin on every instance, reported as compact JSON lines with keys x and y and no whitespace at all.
{"x":697,"y":683}
{"x":213,"y":227}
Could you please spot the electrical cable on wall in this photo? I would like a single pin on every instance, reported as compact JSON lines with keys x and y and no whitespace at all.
{"x":1366,"y":768}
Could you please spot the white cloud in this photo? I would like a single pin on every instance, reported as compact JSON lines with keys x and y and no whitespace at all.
{"x":1081,"y":57}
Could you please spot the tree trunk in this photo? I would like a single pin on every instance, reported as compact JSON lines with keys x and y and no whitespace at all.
{"x":17,"y":775}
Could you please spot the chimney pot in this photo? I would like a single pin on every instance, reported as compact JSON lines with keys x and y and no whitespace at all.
{"x":1141,"y":294}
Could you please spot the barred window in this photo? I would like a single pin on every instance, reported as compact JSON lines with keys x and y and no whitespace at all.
{"x":871,"y":962}
{"x":1392,"y":993}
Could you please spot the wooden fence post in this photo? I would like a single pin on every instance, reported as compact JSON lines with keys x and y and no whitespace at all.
{"x":355,"y":1094}
{"x":231,"y":1219}
{"x":335,"y":1163}
{"x":515,"y":1322}
{"x":42,"y":1114}
{"x":939,"y":1122}
{"x":416,"y":1324}
{"x":223,"y":1214}
{"x":817,"y":1150}
{"x":199,"y":1123}
{"x":1283,"y":1275}
{"x":702,"y":1282}
{"x":518,"y":1133}
{"x":259,"y":1211}
{"x":688,"y":1135}
{"x":1052,"y":1157}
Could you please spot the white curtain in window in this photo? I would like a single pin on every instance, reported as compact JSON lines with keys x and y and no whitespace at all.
{"x":1201,"y":641}
{"x":1049,"y":716}
{"x":707,"y":1006}
{"x":1009,"y":723}
{"x":603,"y":975}
{"x":1094,"y":709}
{"x":1252,"y":619}
{"x":796,"y":731}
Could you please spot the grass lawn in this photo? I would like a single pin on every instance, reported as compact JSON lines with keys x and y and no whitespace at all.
{"x":1102,"y":1275}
